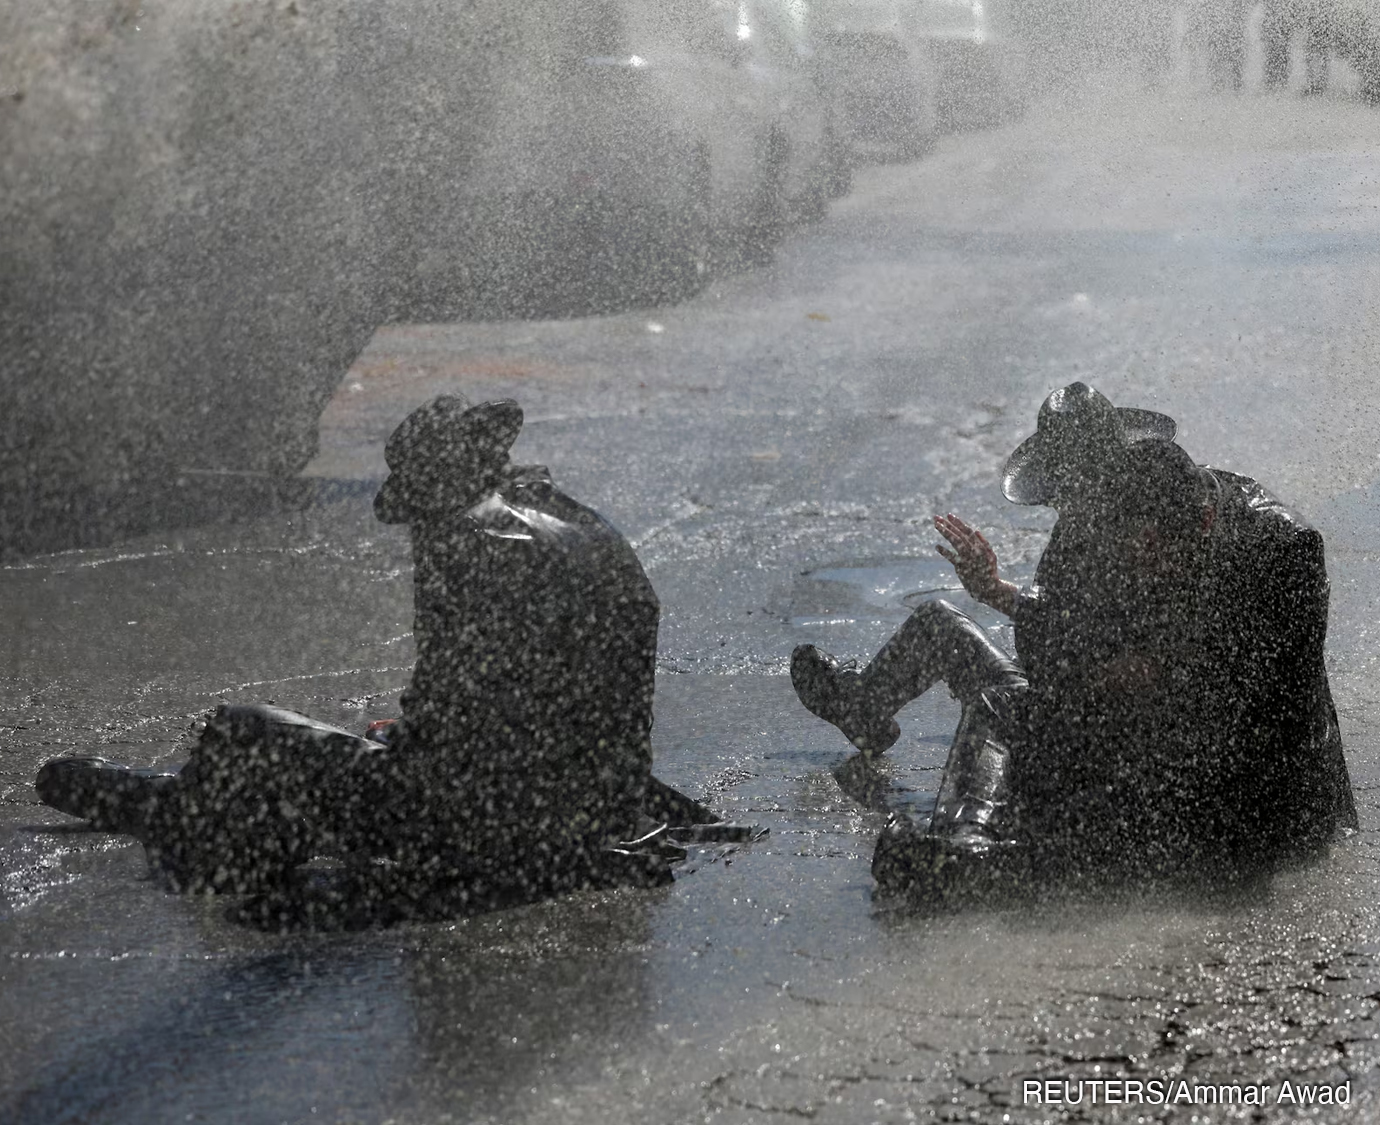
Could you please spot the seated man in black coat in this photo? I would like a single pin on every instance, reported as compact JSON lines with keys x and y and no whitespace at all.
{"x":1168,"y":713}
{"x":523,"y":755}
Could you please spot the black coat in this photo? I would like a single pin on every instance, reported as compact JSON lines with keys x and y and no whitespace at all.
{"x":530,"y":706}
{"x":1232,"y":757}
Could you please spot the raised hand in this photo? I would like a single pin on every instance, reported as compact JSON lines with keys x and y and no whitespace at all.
{"x":976,"y":563}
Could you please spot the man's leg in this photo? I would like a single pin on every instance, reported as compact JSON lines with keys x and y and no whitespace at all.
{"x":260,"y":795}
{"x":955,"y":855}
{"x":937,"y":642}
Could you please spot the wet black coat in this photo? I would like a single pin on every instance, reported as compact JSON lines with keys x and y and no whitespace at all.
{"x":1232,"y":758}
{"x":528,"y":717}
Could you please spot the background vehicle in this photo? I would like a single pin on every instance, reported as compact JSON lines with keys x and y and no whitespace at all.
{"x":637,"y":143}
{"x":780,"y":44}
{"x":884,"y":76}
{"x":904,"y":70}
{"x":205,"y":211}
{"x":981,"y":64}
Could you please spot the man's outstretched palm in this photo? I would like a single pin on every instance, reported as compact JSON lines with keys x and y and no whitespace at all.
{"x":976,"y":563}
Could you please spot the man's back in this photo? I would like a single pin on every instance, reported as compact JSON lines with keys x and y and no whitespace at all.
{"x":1283,"y":776}
{"x":536,"y":635}
{"x":1226,"y":750}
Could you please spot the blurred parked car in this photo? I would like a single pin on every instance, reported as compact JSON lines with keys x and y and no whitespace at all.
{"x":980,"y":59}
{"x":780,"y":50}
{"x":630,"y":143}
{"x":207,"y":209}
{"x":884,"y":76}
{"x":906,"y":69}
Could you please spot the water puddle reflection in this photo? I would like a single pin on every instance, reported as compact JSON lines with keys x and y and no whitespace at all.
{"x":868,"y":590}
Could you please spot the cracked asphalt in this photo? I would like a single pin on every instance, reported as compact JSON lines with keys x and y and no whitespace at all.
{"x":775,"y":449}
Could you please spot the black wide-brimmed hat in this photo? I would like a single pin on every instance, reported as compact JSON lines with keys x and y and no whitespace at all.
{"x":1079,"y":439}
{"x":439,"y":451}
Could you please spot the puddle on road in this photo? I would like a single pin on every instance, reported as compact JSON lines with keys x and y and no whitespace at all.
{"x":868,"y":590}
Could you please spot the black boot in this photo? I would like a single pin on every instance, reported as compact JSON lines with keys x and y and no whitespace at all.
{"x":833,"y":691}
{"x":968,"y":811}
{"x":970,"y":852}
{"x":114,"y":797}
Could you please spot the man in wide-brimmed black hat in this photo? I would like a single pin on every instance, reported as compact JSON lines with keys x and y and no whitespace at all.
{"x":521,"y":763}
{"x":1168,"y":712}
{"x":526,"y":727}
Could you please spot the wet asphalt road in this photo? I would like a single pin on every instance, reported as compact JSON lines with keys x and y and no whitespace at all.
{"x":774,"y":448}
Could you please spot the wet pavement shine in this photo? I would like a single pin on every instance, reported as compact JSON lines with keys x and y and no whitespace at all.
{"x":774,"y":449}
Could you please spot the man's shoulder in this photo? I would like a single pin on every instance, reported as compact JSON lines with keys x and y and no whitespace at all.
{"x":581,"y":538}
{"x":1266,"y":554}
{"x":1252,"y":514}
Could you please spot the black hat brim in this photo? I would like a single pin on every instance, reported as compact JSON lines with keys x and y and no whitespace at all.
{"x":1030,"y":478}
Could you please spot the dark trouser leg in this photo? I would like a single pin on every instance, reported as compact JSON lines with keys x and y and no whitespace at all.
{"x":264,"y":791}
{"x":1275,"y":32}
{"x":969,"y":850}
{"x":1226,"y":29}
{"x":938,"y":642}
{"x":965,"y":852}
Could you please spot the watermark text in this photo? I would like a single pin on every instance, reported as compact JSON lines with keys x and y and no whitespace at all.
{"x":1178,"y":1091}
